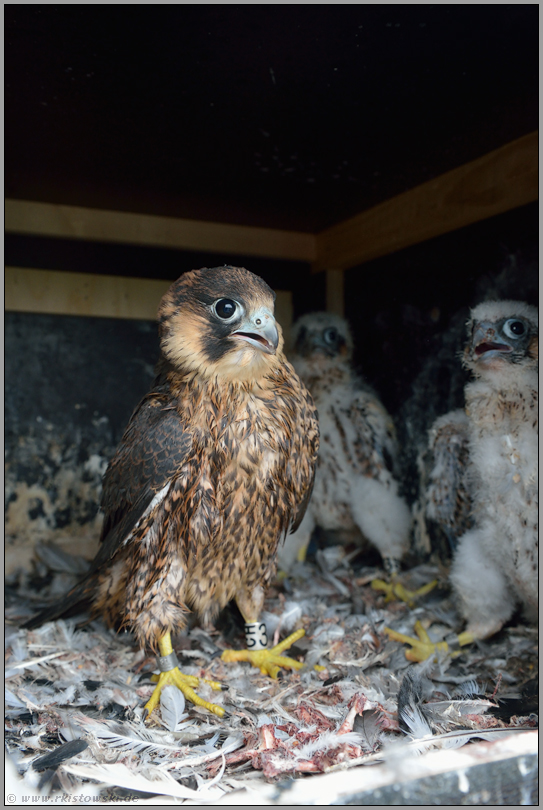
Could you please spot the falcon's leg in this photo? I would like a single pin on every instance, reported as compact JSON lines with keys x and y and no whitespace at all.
{"x":395,"y":590}
{"x":421,"y":647}
{"x":268,"y":661}
{"x":485,"y":598}
{"x":172,"y":675}
{"x":384,"y":518}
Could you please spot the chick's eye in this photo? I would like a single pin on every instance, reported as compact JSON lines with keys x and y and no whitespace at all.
{"x":514,"y":328}
{"x":330,"y":336}
{"x":225,"y":308}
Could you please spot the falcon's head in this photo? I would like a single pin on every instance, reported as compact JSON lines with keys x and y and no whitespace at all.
{"x":322,"y":336}
{"x":503,"y":336}
{"x":219,"y":321}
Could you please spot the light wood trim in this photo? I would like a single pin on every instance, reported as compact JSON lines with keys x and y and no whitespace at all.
{"x":73,"y":222}
{"x":284,"y":310}
{"x":335,"y":294}
{"x":499,"y":181}
{"x":55,"y":292}
{"x":58,"y":293}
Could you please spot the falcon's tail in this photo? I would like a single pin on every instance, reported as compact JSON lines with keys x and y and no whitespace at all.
{"x":76,"y":601}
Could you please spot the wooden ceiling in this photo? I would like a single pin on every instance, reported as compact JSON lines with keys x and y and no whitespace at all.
{"x":280,"y":116}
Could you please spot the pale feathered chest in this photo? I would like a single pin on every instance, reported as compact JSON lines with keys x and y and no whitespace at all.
{"x":503,"y":431}
{"x":354,"y":442}
{"x":334,"y":467}
{"x":336,"y":427}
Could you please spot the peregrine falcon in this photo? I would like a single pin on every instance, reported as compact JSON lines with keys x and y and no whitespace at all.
{"x":486,"y":491}
{"x":215,"y":467}
{"x":495,"y":566}
{"x":355,"y":485}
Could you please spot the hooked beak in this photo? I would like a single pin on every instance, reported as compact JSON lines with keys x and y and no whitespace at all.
{"x":484,"y":343}
{"x":259,"y":330}
{"x":320,"y":346}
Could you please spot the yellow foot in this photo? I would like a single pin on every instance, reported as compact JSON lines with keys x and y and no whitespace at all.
{"x":422,"y":647}
{"x":270,"y":661}
{"x":186,"y":684}
{"x":395,"y":590}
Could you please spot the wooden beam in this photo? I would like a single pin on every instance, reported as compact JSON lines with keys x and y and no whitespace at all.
{"x":55,"y":292}
{"x":503,"y":179}
{"x":73,"y":222}
{"x":335,"y":296}
{"x":499,"y":181}
{"x":58,"y":293}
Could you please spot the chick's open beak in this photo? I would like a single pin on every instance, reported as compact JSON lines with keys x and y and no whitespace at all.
{"x":484,"y":341}
{"x":259,"y":330}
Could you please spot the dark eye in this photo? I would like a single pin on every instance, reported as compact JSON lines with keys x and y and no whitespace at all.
{"x":330,"y":335}
{"x":225,"y":308}
{"x":514,"y":328}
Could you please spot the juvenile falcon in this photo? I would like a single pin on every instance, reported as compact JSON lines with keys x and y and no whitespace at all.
{"x":215,"y":467}
{"x":496,"y":563}
{"x":495,"y":566}
{"x":355,"y":487}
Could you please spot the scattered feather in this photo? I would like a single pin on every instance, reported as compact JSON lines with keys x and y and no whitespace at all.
{"x":64,"y":752}
{"x":127,"y":737}
{"x":154,"y":781}
{"x":172,"y":708}
{"x":65,"y":684}
{"x":56,"y":559}
{"x":369,"y":727}
{"x":326,"y":742}
{"x":456,"y":739}
{"x":469,"y":688}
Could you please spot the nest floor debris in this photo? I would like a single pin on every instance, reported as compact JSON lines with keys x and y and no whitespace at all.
{"x":367,"y":723}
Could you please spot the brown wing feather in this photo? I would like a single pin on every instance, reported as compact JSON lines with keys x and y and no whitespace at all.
{"x":448,"y":496}
{"x":374,"y":448}
{"x":309,"y":419}
{"x":153,"y":447}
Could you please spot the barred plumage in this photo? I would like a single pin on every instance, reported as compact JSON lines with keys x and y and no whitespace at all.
{"x":447,"y":498}
{"x":215,"y":467}
{"x":355,"y":485}
{"x":495,"y":566}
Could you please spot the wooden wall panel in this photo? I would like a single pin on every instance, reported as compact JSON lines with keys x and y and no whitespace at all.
{"x":59,"y":293}
{"x":497,"y":182}
{"x":73,"y":222}
{"x":335,"y":292}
